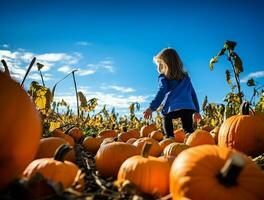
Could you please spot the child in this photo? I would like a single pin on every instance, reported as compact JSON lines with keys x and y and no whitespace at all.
{"x":175,"y":93}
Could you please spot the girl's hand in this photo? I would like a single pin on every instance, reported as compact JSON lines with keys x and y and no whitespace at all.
{"x":147,"y":113}
{"x":197,"y":117}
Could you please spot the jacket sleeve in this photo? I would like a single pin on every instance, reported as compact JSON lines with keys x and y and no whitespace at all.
{"x":195,"y":100}
{"x":163,"y":89}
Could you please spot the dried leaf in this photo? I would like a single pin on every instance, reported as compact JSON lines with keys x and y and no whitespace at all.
{"x":228,"y":77}
{"x":212,"y":61}
{"x":251,"y":82}
{"x":41,"y":96}
{"x":237,"y":62}
{"x":40,"y":66}
{"x":230,"y":45}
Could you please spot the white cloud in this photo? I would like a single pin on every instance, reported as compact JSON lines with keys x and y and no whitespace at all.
{"x":104,"y":64}
{"x":118,"y":88}
{"x":6,"y":46}
{"x":19,"y":60}
{"x":36,"y":77}
{"x":257,"y":74}
{"x":81,"y":72}
{"x":119,"y":102}
{"x":83,"y":43}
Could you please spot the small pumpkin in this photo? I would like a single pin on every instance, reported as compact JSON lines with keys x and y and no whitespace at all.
{"x":56,"y":169}
{"x":174,"y":149}
{"x":157,"y":135}
{"x":155,"y":148}
{"x":215,"y":173}
{"x":92,"y":143}
{"x":75,"y":133}
{"x":108,"y":133}
{"x":135,"y":132}
{"x":110,"y":156}
{"x":199,"y":137}
{"x":165,"y":143}
{"x":20,"y":129}
{"x":149,"y":174}
{"x":48,"y":146}
{"x":147,"y":129}
{"x":243,"y":132}
{"x":179,"y":135}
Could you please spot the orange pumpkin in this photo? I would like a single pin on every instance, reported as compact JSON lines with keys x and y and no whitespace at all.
{"x":57,"y":170}
{"x":155,"y":148}
{"x":131,"y":140}
{"x":110,"y":156}
{"x":135,"y":132}
{"x":165,"y":143}
{"x":48,"y":146}
{"x":199,"y":137}
{"x":20,"y":130}
{"x":179,"y":135}
{"x":215,"y":173}
{"x":174,"y":149}
{"x":243,"y":132}
{"x":92,"y":143}
{"x":157,"y":135}
{"x":168,"y":159}
{"x":147,"y":129}
{"x":108,"y":133}
{"x":149,"y":174}
{"x":214,"y":133}
{"x":207,"y":128}
{"x":75,"y":133}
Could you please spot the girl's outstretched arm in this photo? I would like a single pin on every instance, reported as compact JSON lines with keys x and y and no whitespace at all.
{"x":163,"y":89}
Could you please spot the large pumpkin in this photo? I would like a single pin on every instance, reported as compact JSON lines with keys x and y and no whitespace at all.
{"x":243,"y":132}
{"x":110,"y":156}
{"x":215,"y":173}
{"x":150,"y":174}
{"x":199,"y":137}
{"x":20,"y":130}
{"x":56,"y":169}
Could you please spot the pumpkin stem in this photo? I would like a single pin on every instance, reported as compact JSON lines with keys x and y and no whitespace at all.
{"x":231,"y":170}
{"x":146,"y":149}
{"x":6,"y":67}
{"x":94,"y":135}
{"x":61,"y":152}
{"x":244,"y":108}
{"x":68,"y":130}
{"x":115,"y":139}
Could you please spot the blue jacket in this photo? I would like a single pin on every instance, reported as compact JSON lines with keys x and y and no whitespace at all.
{"x":175,"y":95}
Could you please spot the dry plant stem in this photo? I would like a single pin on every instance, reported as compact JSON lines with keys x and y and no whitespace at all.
{"x":75,"y":86}
{"x":41,"y":78}
{"x":236,"y":78}
{"x":28,"y":70}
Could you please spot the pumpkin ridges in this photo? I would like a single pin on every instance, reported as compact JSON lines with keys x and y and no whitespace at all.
{"x":16,"y":106}
{"x":203,"y":162}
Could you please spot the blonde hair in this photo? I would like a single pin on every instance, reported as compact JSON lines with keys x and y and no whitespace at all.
{"x":169,"y":63}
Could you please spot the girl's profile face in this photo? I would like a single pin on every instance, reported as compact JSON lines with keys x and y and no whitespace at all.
{"x":160,"y":66}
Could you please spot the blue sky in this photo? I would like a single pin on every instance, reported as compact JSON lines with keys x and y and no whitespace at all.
{"x":112,"y":43}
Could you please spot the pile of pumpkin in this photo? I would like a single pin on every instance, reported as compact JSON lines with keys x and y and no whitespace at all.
{"x":183,"y":168}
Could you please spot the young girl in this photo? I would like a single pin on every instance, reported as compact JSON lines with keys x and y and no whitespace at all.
{"x":175,"y":93}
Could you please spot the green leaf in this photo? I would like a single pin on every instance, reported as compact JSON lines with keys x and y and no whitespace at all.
{"x":251,"y":82}
{"x":228,"y":77}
